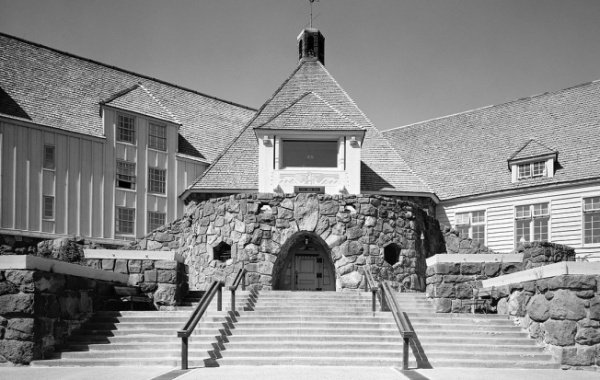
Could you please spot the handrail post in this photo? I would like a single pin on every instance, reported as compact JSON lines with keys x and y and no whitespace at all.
{"x":184,"y":353}
{"x":405,"y":354}
{"x":220,"y":297}
{"x":374,"y":301}
{"x":244,"y":280}
{"x":232,"y":299}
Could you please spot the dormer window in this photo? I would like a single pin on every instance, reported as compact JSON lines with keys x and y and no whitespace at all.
{"x":532,"y":169}
{"x":309,"y":154}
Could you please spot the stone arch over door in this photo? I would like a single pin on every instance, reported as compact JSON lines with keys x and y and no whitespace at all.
{"x":302,"y":246}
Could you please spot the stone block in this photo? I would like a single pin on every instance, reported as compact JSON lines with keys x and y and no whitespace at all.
{"x":166,"y":294}
{"x":148,"y":264}
{"x":443,"y":291}
{"x":442,"y":305}
{"x":151,"y":276}
{"x":165,"y":264}
{"x":566,"y":305}
{"x":134,"y":266}
{"x":538,"y":308}
{"x":167,"y":276}
{"x":17,"y":351}
{"x":20,"y":329}
{"x":578,"y":356}
{"x":351,"y":248}
{"x":463,"y":291}
{"x":8,"y":288}
{"x":560,"y":333}
{"x":435,"y":279}
{"x":588,"y":336}
{"x":121,"y":266}
{"x":21,"y":278}
{"x":108,"y":264}
{"x":491,"y":269}
{"x":576,"y":282}
{"x":351,"y":280}
{"x":17,"y":303}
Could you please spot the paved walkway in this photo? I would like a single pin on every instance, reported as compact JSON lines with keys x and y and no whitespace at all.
{"x":285,"y":373}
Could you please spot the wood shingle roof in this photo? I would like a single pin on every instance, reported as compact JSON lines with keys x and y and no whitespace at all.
{"x":465,"y":154}
{"x":59,"y":90}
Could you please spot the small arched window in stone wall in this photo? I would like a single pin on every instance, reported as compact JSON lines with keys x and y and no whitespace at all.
{"x":223,"y":252}
{"x":391,"y":254}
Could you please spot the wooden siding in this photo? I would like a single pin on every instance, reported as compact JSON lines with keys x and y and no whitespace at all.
{"x":83,"y":181}
{"x":565,"y":225}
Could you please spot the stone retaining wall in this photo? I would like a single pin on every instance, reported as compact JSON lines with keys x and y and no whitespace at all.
{"x":39,"y":309}
{"x":355,"y":229}
{"x":562,"y":312}
{"x":462,"y":245}
{"x":162,"y":281}
{"x":450,"y":284}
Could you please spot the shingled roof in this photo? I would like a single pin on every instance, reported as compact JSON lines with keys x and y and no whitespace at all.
{"x":60,"y":90}
{"x":531,"y":149}
{"x":311,"y":93}
{"x":465,"y":154}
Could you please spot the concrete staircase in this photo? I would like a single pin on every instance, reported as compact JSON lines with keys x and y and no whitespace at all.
{"x":310,"y":328}
{"x":134,"y":338}
{"x":469,"y":340}
{"x":303,"y":328}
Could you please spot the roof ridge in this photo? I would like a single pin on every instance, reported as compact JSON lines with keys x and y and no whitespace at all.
{"x":125,"y":71}
{"x":547,"y":93}
{"x":168,"y":111}
{"x":338,"y":111}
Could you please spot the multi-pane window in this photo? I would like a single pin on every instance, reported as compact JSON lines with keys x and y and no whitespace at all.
{"x":49,"y":154}
{"x":471,"y":225}
{"x":531,"y":222}
{"x":126,"y":128}
{"x":48,"y":207}
{"x":155,"y":220}
{"x":591,"y":220}
{"x":126,"y":175}
{"x":157,"y":179}
{"x":532,"y":169}
{"x":157,"y":137}
{"x":125,"y":220}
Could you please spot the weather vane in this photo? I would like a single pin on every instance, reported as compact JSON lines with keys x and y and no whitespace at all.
{"x":311,"y":14}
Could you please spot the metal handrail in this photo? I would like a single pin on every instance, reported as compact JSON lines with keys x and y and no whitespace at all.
{"x":387,"y":296}
{"x":404,"y":327}
{"x":240,"y":278}
{"x":371,"y":285}
{"x":190,"y":325}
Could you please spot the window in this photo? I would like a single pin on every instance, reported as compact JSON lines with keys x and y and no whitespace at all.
{"x":49,"y":162}
{"x":125,"y":222}
{"x":591,"y":220}
{"x":531,"y":222}
{"x":48,"y":207}
{"x":471,"y":225}
{"x":156,"y":180}
{"x":126,"y":175}
{"x":155,"y":220}
{"x":126,"y":129}
{"x":157,"y":137}
{"x":391,"y":254}
{"x":223,"y":252}
{"x":532,"y":169}
{"x":314,"y":154}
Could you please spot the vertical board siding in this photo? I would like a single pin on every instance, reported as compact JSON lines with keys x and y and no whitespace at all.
{"x":73,"y":198}
{"x":22,"y":185}
{"x":85,"y":189}
{"x":9,"y":151}
{"x":62,"y":179}
{"x":97,"y":193}
{"x":36,"y":149}
{"x":566,"y":221}
{"x":142,"y":171}
{"x":108,"y":201}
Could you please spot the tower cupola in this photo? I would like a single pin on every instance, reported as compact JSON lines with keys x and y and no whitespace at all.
{"x":311,"y":46}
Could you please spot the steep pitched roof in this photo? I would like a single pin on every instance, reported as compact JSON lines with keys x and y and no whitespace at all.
{"x":465,"y":154}
{"x":532,"y":148}
{"x":310,"y":112}
{"x":382,"y":168}
{"x":139,"y":99}
{"x":59,"y":90}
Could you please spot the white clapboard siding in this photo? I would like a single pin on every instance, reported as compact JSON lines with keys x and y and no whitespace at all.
{"x":83,"y":181}
{"x":566,"y":220}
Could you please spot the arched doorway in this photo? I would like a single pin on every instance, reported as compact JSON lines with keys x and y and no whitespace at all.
{"x":305,"y":264}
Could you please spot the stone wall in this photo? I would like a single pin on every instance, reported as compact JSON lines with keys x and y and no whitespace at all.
{"x":39,"y":309}
{"x":162,"y":281}
{"x":462,"y":245}
{"x":540,"y":253}
{"x":562,"y":312}
{"x":355,"y":230}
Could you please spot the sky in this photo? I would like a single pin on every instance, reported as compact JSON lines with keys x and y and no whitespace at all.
{"x":402,"y":61}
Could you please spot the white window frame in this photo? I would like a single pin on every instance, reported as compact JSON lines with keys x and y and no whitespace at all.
{"x":119,"y":230}
{"x":530,"y":215}
{"x":152,"y":217}
{"x":466,"y":222}
{"x":591,"y":210}
{"x":49,"y":164}
{"x":531,"y":169}
{"x":50,"y":216}
{"x":157,"y":180}
{"x":154,"y":138}
{"x":126,"y":178}
{"x":123,"y":129}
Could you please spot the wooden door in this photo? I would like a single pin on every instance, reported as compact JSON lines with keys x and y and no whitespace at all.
{"x":306,"y":272}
